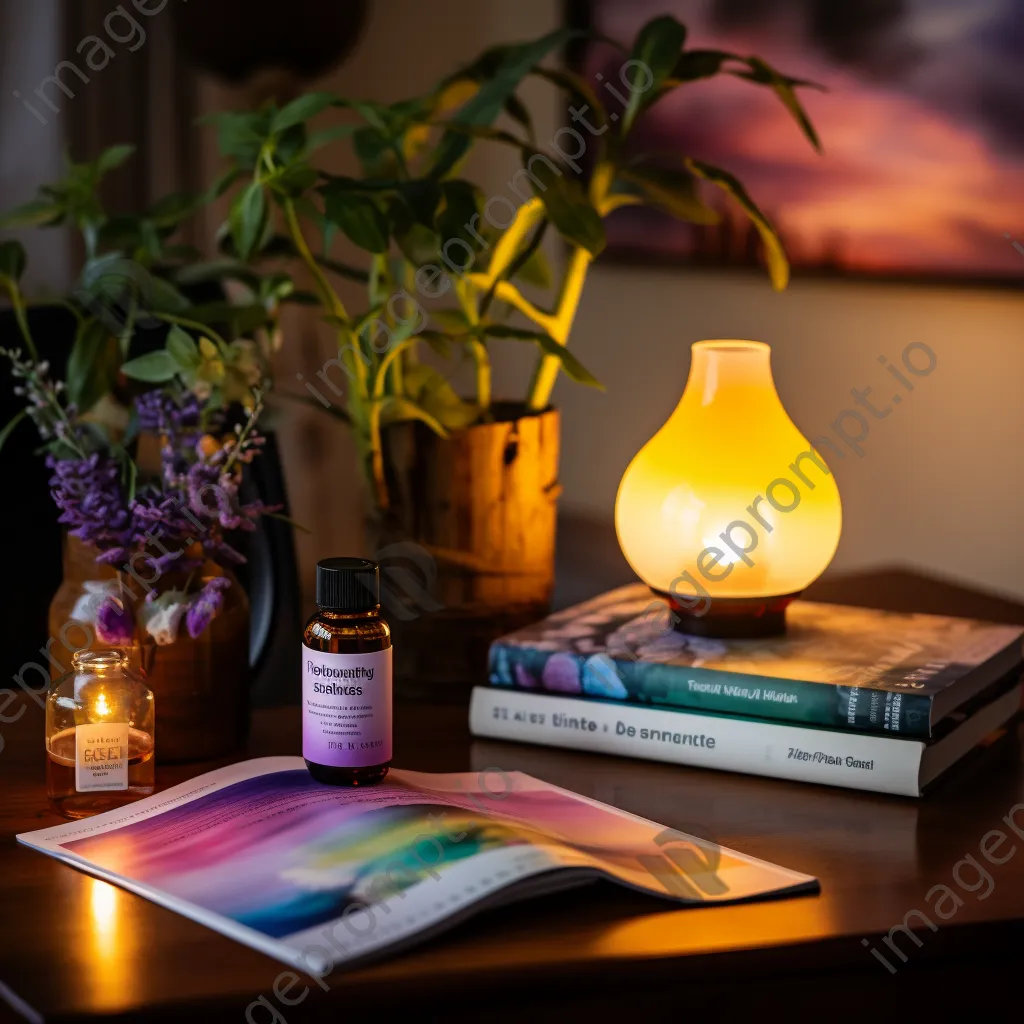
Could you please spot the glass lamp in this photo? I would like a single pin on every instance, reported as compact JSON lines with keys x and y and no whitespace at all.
{"x":728,"y":512}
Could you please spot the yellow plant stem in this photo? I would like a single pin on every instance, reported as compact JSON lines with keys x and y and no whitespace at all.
{"x":477,"y":349}
{"x":528,"y":216}
{"x":546,"y":373}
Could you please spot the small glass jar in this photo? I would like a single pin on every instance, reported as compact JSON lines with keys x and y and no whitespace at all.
{"x":99,"y":736}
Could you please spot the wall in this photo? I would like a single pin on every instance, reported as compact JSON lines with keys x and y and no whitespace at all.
{"x":30,"y":153}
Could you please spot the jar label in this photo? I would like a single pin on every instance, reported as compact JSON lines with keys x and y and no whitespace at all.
{"x":346,"y":708}
{"x":101,"y":757}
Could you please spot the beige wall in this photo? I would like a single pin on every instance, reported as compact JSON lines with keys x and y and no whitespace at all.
{"x":939,"y":484}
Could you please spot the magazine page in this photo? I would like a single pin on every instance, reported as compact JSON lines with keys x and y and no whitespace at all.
{"x":319,"y":876}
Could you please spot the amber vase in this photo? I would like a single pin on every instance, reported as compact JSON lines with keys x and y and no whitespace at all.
{"x":201,"y":686}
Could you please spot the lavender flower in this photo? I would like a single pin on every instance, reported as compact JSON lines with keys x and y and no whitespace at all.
{"x":206,"y":605}
{"x":115,"y":623}
{"x":165,"y":413}
{"x":92,"y":504}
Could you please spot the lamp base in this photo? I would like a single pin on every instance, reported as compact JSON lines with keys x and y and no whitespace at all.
{"x":733,"y":618}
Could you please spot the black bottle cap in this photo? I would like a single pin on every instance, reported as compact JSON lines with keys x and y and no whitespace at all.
{"x":347,"y":585}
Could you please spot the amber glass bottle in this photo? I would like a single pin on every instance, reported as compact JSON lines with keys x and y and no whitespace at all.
{"x":346,"y":677}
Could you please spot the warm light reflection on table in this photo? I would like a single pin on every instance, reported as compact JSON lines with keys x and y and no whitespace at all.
{"x":694,"y":930}
{"x":112,"y":942}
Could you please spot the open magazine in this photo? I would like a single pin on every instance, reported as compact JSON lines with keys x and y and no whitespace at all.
{"x":321,"y":876}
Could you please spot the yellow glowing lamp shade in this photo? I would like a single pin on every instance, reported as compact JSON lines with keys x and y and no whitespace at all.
{"x":728,"y":509}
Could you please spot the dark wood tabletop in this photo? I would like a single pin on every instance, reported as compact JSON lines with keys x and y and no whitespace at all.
{"x":74,"y":949}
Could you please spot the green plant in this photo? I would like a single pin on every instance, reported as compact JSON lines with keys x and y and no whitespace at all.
{"x":133,"y":292}
{"x":197,"y":394}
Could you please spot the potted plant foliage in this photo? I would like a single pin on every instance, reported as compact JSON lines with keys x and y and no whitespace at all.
{"x":471,"y":478}
{"x":147,"y":433}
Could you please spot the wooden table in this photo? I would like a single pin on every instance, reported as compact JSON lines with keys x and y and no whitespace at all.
{"x":75,"y":949}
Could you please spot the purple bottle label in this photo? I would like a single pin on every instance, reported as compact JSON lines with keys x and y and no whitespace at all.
{"x":346,"y":708}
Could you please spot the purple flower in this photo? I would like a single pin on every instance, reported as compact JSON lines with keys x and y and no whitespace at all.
{"x":114,"y":623}
{"x":165,"y":413}
{"x":89,"y":495}
{"x":207,"y":603}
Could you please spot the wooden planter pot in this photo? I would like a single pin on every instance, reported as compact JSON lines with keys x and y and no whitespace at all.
{"x":477,"y":512}
{"x":201,"y":686}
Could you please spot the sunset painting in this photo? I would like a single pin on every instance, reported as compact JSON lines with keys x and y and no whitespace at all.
{"x":921,"y":120}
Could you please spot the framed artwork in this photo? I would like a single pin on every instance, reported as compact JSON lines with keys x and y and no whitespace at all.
{"x":921,"y":118}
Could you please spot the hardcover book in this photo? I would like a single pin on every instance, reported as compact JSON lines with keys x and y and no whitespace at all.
{"x":901,"y":766}
{"x":837,"y":666}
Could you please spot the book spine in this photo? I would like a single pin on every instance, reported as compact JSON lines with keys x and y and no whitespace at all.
{"x":800,"y":702}
{"x":853,"y":760}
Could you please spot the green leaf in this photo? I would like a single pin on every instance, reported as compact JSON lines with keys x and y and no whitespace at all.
{"x":567,"y":205}
{"x":433,"y":394}
{"x":160,"y":296}
{"x":241,"y":319}
{"x":154,"y":367}
{"x":574,"y":369}
{"x":397,"y":409}
{"x":454,"y":321}
{"x":93,"y":364}
{"x":419,"y":245}
{"x":183,"y":349}
{"x":375,"y":151}
{"x":775,"y":255}
{"x":170,"y":211}
{"x":515,"y":63}
{"x":276,"y":287}
{"x":248,"y":219}
{"x":295,"y":180}
{"x":455,"y":222}
{"x":422,"y":199}
{"x":580,"y":89}
{"x":112,"y":158}
{"x":11,"y":427}
{"x":518,"y":111}
{"x":656,"y":49}
{"x":695,"y":64}
{"x":35,"y":214}
{"x":290,"y":144}
{"x":672,"y":191}
{"x":358,"y":216}
{"x":218,"y":270}
{"x":12,"y":260}
{"x":764,"y":74}
{"x":240,"y":136}
{"x":322,"y":138}
{"x":301,"y":110}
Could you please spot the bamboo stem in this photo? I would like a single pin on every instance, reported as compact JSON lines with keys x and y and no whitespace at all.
{"x":546,"y":372}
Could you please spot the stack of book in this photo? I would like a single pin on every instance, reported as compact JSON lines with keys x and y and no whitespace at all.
{"x":848,"y":697}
